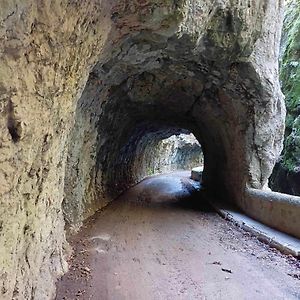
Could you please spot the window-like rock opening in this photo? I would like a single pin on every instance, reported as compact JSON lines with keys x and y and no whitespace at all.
{"x":152,"y":149}
{"x":176,"y":153}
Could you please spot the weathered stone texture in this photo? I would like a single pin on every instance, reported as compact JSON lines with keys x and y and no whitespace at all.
{"x":83,"y":82}
{"x":47,"y":49}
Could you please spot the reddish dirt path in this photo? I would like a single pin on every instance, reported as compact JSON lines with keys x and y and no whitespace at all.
{"x":157,"y":241}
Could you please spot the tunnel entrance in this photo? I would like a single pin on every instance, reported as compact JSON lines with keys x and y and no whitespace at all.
{"x":151,"y":87}
{"x":120,"y":119}
{"x":151,"y":148}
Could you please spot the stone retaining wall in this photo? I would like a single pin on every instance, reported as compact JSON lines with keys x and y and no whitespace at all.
{"x":280,"y":211}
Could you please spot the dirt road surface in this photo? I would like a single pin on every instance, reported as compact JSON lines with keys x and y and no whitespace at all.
{"x":159,"y":241}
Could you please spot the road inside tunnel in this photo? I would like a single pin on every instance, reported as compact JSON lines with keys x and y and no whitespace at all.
{"x":159,"y":240}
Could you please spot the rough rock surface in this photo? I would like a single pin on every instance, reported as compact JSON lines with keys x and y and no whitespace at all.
{"x":286,"y":176}
{"x":47,"y":50}
{"x":84,"y":87}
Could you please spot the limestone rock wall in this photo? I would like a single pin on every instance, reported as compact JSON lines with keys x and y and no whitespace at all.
{"x":47,"y":49}
{"x":83,"y":83}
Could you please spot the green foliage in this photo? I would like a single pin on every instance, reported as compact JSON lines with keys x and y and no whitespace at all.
{"x":290,"y":78}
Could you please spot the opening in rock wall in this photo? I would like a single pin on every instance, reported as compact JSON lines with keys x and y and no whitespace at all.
{"x":151,"y":149}
{"x":121,"y":117}
{"x":176,"y":153}
{"x":148,"y":89}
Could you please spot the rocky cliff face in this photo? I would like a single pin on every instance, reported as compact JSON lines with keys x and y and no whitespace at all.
{"x":286,"y":176}
{"x":86,"y":87}
{"x":47,"y":50}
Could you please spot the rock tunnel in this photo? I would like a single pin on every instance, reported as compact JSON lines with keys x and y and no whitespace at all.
{"x":155,"y":84}
{"x":89,"y":89}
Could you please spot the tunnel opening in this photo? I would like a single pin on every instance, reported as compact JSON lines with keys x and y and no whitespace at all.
{"x":123,"y":113}
{"x":155,"y":85}
{"x":157,"y":160}
{"x":152,"y":149}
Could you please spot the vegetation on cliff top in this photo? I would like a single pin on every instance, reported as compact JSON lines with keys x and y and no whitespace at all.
{"x":290,"y":78}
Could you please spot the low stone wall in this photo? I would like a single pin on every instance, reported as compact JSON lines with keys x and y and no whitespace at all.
{"x":277,"y":210}
{"x":280,"y":211}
